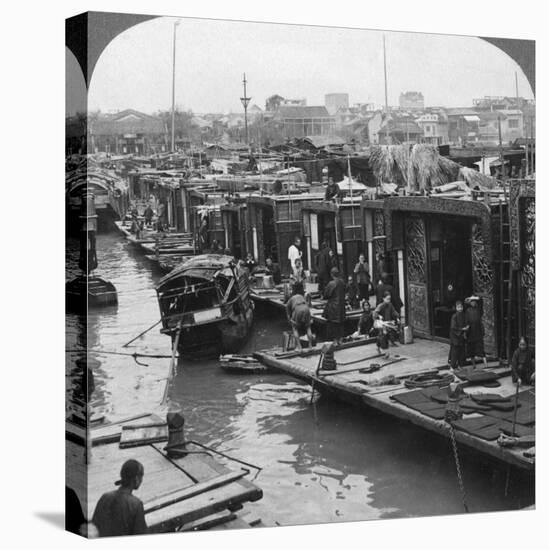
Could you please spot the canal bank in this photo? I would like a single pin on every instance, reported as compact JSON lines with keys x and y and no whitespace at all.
{"x":321,"y":464}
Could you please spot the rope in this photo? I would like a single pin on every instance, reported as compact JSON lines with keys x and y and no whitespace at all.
{"x":458,"y":466}
{"x":133,"y":355}
{"x":428,"y":380}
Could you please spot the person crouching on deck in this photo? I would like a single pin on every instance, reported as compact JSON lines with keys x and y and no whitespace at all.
{"x":299,"y":315}
{"x":475,"y":334}
{"x":118,"y":512}
{"x":458,"y":331}
{"x":522,"y":363}
{"x":365,"y":325}
{"x":351,"y":291}
{"x":387,"y":319}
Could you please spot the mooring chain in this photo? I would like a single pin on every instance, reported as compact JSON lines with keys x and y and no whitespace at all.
{"x":458,"y":466}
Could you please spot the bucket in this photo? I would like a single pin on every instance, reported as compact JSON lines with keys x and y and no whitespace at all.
{"x":407,"y":335}
{"x":288,"y":341}
{"x":311,"y":287}
{"x":267,"y":282}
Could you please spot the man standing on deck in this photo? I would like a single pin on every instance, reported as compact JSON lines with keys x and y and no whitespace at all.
{"x":475,"y":334}
{"x":383,"y":287}
{"x":118,"y":512}
{"x":294,"y":253}
{"x":458,"y":329}
{"x":323,"y":265}
{"x":334,"y":311}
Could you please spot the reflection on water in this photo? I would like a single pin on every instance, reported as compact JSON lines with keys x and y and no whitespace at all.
{"x":328,"y":462}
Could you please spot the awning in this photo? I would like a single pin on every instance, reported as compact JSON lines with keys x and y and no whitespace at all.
{"x":471,"y":118}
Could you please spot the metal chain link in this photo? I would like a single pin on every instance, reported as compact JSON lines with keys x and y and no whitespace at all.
{"x":458,"y":467}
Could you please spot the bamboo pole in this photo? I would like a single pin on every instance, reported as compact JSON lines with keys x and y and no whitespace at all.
{"x":172,"y":363}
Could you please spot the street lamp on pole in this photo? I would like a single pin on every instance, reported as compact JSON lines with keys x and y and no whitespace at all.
{"x":175,"y":25}
{"x":245,"y":101}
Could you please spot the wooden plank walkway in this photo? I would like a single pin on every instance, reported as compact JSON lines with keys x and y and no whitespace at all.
{"x":217,"y":488}
{"x":275,"y":298}
{"x":362,"y":389}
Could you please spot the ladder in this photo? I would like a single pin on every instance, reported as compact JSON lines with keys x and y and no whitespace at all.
{"x":506,"y":281}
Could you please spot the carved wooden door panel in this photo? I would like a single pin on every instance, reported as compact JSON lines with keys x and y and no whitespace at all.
{"x":416,"y":269}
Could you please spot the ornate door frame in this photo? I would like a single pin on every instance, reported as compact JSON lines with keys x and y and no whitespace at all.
{"x":417,"y":273}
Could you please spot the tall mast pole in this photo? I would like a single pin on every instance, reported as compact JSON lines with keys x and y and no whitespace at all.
{"x":176,"y":23}
{"x":245,"y":100}
{"x":501,"y":158}
{"x":386,"y":95}
{"x":385,"y":74}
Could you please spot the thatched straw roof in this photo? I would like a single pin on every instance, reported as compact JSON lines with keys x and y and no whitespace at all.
{"x":476,"y":180}
{"x":419,"y":168}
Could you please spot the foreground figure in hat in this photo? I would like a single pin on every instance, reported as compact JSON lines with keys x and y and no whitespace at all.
{"x":119,"y":512}
{"x":475,"y":334}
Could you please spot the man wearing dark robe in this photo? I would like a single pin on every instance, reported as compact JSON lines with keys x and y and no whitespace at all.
{"x":458,"y":328}
{"x":475,"y":334}
{"x":323,"y":266}
{"x":334,"y":311}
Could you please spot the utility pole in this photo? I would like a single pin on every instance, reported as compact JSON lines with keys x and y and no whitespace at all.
{"x":176,"y":23}
{"x":245,"y":101}
{"x":386,"y":99}
{"x":385,"y":74}
{"x":501,"y":159}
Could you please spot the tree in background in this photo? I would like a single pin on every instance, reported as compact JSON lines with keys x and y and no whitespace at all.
{"x":273,"y":102}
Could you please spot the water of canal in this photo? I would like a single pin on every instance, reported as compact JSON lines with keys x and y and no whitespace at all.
{"x":334,"y":463}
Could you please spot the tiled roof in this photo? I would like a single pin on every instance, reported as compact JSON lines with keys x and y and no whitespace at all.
{"x":128,"y":122}
{"x":300,"y":111}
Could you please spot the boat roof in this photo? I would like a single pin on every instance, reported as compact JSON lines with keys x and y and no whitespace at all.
{"x":203,"y":266}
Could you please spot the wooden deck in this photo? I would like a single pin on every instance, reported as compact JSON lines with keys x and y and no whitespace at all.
{"x":355,"y":387}
{"x":195,"y":491}
{"x":275,"y":298}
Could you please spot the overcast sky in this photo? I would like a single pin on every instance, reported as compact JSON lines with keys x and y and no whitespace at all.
{"x":135,"y":70}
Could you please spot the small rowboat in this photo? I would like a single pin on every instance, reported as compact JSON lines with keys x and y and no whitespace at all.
{"x":239,"y":364}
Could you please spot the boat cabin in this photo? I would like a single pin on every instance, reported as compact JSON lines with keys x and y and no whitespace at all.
{"x":234,"y":218}
{"x":192,"y":193}
{"x":375,"y":240}
{"x":339,"y":224}
{"x":195,"y":293}
{"x":206,"y":300}
{"x":207,"y":224}
{"x":447,"y":249}
{"x":274,"y":222}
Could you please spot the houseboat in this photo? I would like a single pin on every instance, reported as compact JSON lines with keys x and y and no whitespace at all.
{"x":337,"y":223}
{"x":109,"y":191}
{"x":274,"y":222}
{"x":205,"y":305}
{"x":446,"y":248}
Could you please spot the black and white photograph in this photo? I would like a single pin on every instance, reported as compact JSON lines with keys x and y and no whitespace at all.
{"x":300,"y":274}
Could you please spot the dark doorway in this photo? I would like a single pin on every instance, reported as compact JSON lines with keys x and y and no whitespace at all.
{"x":269,"y":234}
{"x":236,"y":236}
{"x":451,"y":276}
{"x":326,"y":230}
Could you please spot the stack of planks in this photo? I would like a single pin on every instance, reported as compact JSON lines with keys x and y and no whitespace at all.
{"x":191,"y":492}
